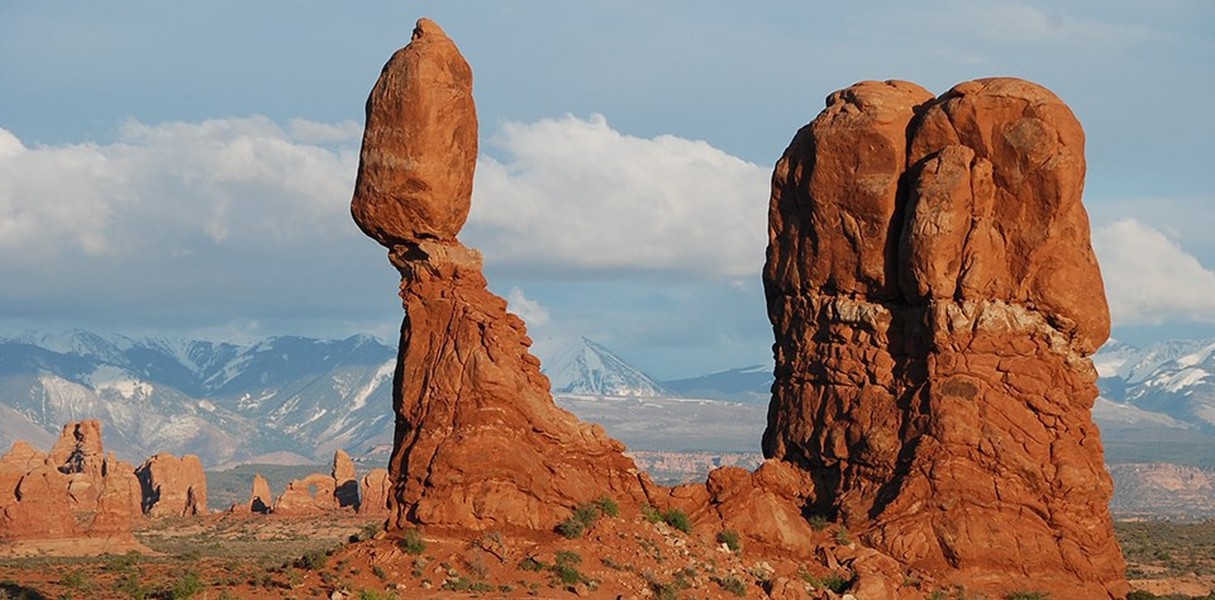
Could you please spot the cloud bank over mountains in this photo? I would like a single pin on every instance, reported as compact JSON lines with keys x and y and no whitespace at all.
{"x":243,"y":223}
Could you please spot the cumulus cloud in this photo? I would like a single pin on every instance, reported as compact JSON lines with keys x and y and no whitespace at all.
{"x":245,"y":220}
{"x":573,"y":193}
{"x":532,"y":312}
{"x":1149,"y":278}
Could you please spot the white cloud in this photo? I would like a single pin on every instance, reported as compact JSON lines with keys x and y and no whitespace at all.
{"x":1149,"y":278}
{"x":574,"y":193}
{"x":532,"y":312}
{"x":174,"y":188}
{"x":248,"y":222}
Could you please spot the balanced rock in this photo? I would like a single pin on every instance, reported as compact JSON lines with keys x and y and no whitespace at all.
{"x":479,"y":442}
{"x":345,"y":481}
{"x":420,"y":144}
{"x":375,"y":491}
{"x":261,"y":499}
{"x":935,"y":301}
{"x":173,"y":486}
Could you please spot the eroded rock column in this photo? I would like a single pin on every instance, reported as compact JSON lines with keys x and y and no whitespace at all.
{"x":935,"y":301}
{"x":479,"y":443}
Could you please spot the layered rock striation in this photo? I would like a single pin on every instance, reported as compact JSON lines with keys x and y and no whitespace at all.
{"x":935,"y":300}
{"x":479,"y":443}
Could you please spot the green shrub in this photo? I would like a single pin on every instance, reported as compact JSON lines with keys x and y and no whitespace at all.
{"x":531,"y":564}
{"x":374,"y":595}
{"x":1026,"y":596}
{"x":818,"y":522}
{"x":835,"y":582}
{"x":842,"y":537}
{"x":122,"y":563}
{"x":312,"y":561}
{"x":186,"y":586}
{"x":412,"y":543}
{"x":678,"y":519}
{"x":730,"y":538}
{"x":733,"y":585}
{"x":571,"y":528}
{"x":651,"y":514}
{"x":607,"y":506}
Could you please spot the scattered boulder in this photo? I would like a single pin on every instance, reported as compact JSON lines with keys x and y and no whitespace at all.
{"x":935,"y":301}
{"x":173,"y":486}
{"x":261,"y":499}
{"x":479,"y":441}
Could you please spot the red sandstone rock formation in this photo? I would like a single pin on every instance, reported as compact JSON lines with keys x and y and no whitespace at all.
{"x":312,"y":494}
{"x":261,"y":499}
{"x":935,"y":301}
{"x":173,"y":486}
{"x":479,"y":442}
{"x":73,"y":491}
{"x":345,"y":480}
{"x":375,"y":493}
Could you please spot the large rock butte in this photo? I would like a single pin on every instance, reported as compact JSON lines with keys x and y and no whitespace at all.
{"x":935,"y":300}
{"x":73,"y":491}
{"x":479,"y":443}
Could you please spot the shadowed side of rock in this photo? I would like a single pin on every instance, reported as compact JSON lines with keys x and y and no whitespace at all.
{"x":479,"y":443}
{"x":935,"y":299}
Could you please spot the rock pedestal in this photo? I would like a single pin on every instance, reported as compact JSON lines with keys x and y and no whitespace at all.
{"x":479,"y":443}
{"x":935,"y":300}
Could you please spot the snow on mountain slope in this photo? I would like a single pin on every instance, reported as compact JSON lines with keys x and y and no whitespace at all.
{"x":221,"y":401}
{"x":1175,"y":378}
{"x":584,"y":367}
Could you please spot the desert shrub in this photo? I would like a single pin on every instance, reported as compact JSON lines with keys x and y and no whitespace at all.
{"x":378,"y":571}
{"x":186,"y":586}
{"x":607,"y":506}
{"x":733,"y":585}
{"x":842,"y":537}
{"x":571,"y":528}
{"x":1026,"y":596}
{"x":678,"y":519}
{"x":584,"y":516}
{"x":651,"y":514}
{"x":817,"y":522}
{"x":531,"y":564}
{"x":77,"y":581}
{"x":730,"y":538}
{"x":374,"y":595}
{"x":131,"y":586}
{"x":566,"y":568}
{"x":835,"y":582}
{"x":312,"y":561}
{"x":121,"y":563}
{"x":412,"y":543}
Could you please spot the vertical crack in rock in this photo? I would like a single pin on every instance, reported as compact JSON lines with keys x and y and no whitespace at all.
{"x":479,"y":442}
{"x":935,"y":300}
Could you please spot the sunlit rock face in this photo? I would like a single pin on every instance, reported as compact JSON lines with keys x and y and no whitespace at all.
{"x":479,"y":443}
{"x":935,"y":300}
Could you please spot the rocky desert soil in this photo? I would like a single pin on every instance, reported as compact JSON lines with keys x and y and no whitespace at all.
{"x":344,"y":555}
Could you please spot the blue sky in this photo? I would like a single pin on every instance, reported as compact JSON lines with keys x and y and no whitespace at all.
{"x":185,"y":168}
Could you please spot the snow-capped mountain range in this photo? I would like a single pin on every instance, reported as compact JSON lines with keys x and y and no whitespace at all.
{"x":1175,"y":379}
{"x":222,"y":401}
{"x":293,"y":396}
